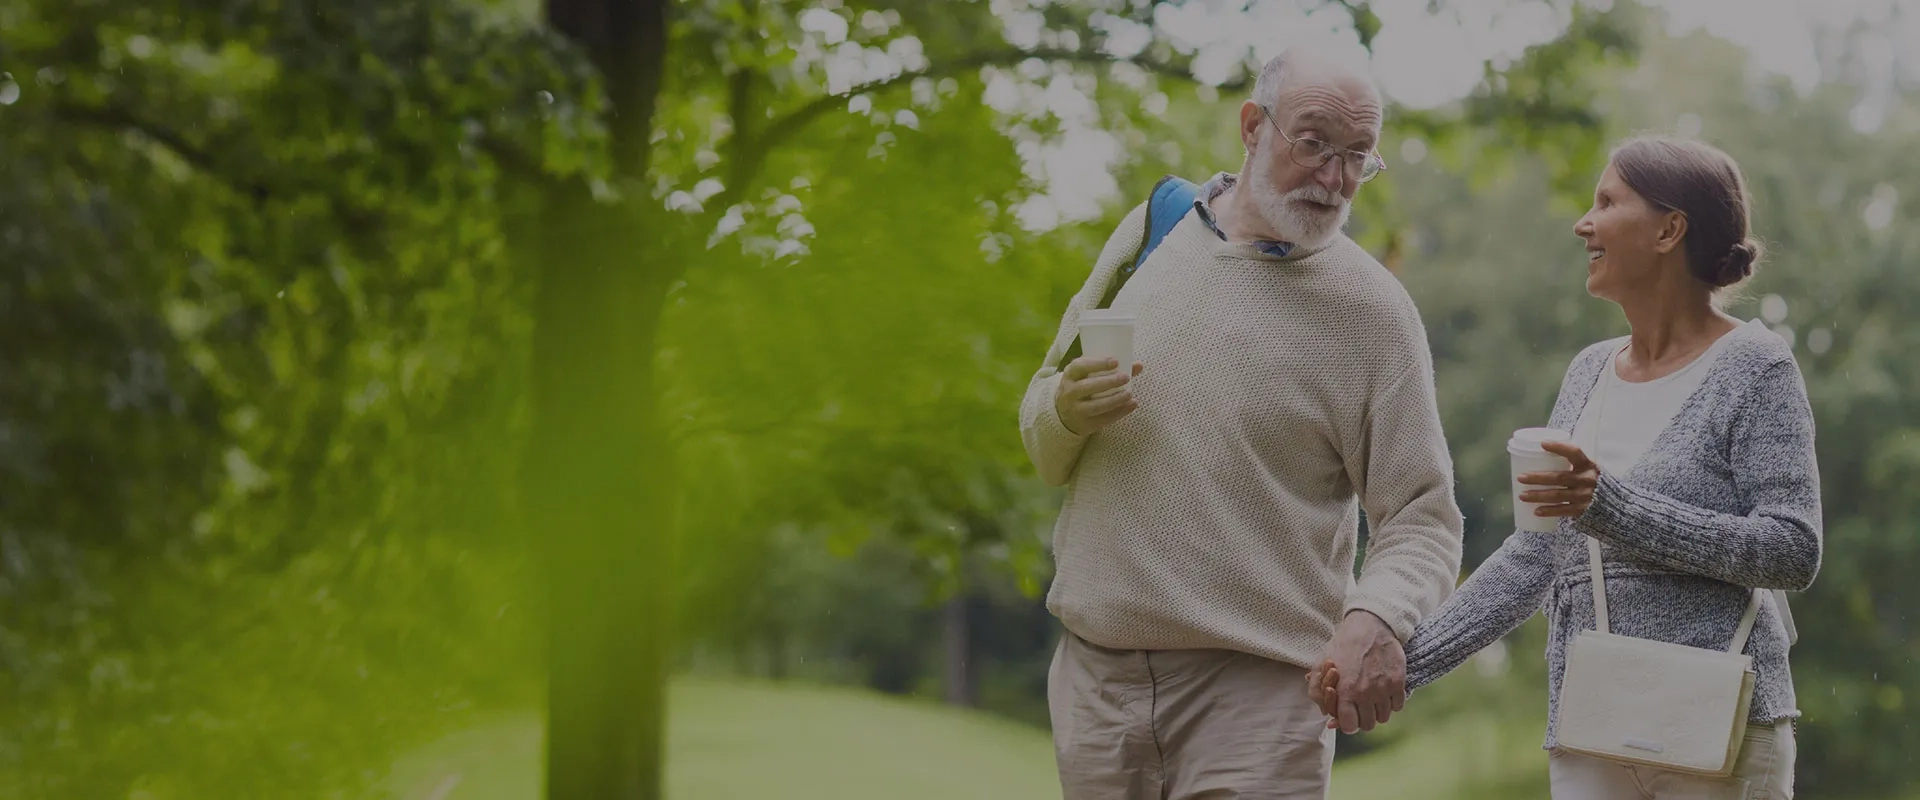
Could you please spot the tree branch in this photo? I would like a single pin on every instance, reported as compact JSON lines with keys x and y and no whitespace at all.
{"x":752,"y":152}
{"x":739,"y":109}
{"x":200,"y":159}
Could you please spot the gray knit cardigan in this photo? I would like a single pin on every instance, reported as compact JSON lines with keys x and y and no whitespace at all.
{"x":1727,"y":498}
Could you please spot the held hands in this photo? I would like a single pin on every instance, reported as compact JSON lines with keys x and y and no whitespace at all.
{"x":1573,"y":490}
{"x":1093,"y":394}
{"x":1363,"y":679}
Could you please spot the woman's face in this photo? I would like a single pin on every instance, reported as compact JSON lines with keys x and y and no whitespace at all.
{"x":1623,"y":235}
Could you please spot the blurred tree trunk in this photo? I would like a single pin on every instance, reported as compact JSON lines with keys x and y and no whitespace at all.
{"x":600,"y":478}
{"x":958,"y":645}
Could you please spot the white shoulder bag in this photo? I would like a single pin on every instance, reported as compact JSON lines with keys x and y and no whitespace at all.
{"x":1652,"y":703}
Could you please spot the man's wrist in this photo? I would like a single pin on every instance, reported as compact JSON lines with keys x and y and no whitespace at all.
{"x":1366,"y":616}
{"x":1358,"y":612}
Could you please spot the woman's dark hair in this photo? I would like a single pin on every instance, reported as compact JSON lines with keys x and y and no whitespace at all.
{"x":1702,"y":182}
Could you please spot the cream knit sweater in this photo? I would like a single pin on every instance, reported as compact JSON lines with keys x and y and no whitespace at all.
{"x":1221,"y":513}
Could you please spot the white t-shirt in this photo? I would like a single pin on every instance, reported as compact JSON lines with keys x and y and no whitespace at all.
{"x":1622,"y":419}
{"x":1630,"y":416}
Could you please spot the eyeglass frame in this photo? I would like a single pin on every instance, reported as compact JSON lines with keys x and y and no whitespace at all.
{"x":1332,"y":151}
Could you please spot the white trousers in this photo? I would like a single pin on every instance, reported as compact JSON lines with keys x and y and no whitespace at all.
{"x":1764,"y":771}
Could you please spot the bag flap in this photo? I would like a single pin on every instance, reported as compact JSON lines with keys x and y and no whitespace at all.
{"x":1653,"y":702}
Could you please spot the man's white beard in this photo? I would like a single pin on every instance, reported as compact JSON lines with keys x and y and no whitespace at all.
{"x":1300,"y":224}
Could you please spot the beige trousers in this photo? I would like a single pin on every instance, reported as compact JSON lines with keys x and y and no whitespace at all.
{"x":1184,"y":725}
{"x":1764,"y":771}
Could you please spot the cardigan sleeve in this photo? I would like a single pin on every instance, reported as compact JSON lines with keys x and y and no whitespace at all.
{"x":1505,"y":591}
{"x":1774,"y":545}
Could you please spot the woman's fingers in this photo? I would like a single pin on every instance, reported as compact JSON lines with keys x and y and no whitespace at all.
{"x":1570,"y":480}
{"x":1556,"y":495}
{"x":1323,"y":684}
{"x":1572,"y":453}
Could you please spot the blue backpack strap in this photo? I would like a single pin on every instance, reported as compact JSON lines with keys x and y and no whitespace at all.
{"x":1169,"y":203}
{"x":1172,"y":198}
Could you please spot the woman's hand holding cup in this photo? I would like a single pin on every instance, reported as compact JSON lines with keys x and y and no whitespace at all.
{"x":1093,"y":394}
{"x":1571,"y":492}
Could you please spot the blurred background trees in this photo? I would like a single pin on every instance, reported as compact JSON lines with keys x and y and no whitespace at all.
{"x":328,"y":326}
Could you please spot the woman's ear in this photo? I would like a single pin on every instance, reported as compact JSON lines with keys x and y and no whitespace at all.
{"x":1673,"y":229}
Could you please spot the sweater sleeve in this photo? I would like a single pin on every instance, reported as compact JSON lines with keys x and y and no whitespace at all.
{"x":1775,"y":545}
{"x":1505,"y":591}
{"x":1053,"y":449}
{"x":1405,"y":480}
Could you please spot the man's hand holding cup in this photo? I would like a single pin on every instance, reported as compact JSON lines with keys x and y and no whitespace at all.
{"x":1094,"y":393}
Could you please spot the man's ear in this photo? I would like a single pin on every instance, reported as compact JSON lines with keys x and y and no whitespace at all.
{"x":1251,"y":118}
{"x":1673,"y":230}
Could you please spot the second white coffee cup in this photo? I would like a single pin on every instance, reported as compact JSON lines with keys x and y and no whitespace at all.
{"x":1108,"y":333}
{"x":1527,"y":456}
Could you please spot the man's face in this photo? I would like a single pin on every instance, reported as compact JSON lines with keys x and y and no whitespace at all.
{"x":1304,"y":195}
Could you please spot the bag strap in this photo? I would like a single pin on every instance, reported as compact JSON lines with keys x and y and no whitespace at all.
{"x":1598,"y":575}
{"x":1786,"y":616}
{"x":1740,"y":634}
{"x":1172,"y":197}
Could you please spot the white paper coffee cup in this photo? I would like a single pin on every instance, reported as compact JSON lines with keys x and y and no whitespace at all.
{"x":1108,"y":333}
{"x":1524,"y":448}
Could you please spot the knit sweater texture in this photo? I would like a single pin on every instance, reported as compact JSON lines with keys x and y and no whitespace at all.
{"x":1280,"y":395}
{"x":1726,"y":500}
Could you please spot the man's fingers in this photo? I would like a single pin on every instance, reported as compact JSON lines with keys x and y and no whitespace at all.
{"x":1083,"y":366}
{"x":1364,"y":709}
{"x":1399,"y":701}
{"x":1349,"y":715}
{"x":1099,"y":407}
{"x":1097,"y":385}
{"x":1367,"y":703}
{"x":1382,"y":711}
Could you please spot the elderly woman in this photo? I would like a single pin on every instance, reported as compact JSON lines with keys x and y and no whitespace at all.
{"x":1697,"y":479}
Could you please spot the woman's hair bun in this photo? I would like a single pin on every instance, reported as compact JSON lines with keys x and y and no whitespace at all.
{"x":1737,"y":264}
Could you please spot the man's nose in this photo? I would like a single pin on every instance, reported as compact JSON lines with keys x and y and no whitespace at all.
{"x":1332,"y":175}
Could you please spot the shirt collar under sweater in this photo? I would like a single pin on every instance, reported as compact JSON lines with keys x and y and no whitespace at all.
{"x":1203,"y":203}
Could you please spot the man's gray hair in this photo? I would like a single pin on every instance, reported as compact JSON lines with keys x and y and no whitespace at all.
{"x":1309,"y":59}
{"x":1266,"y":88}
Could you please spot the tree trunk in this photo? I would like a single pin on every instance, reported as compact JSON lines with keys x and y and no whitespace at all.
{"x":958,"y":644}
{"x":600,"y":478}
{"x":601,"y":492}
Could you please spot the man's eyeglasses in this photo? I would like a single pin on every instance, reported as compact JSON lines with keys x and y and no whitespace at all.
{"x":1313,"y":154}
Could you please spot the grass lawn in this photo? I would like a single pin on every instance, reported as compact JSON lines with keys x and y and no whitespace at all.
{"x":757,"y":740}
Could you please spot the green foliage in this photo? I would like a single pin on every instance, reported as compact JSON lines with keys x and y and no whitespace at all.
{"x":267,"y":321}
{"x":256,"y":272}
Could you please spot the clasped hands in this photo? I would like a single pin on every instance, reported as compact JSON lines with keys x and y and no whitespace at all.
{"x":1362,"y":680}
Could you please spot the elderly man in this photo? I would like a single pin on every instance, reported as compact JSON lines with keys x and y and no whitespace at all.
{"x":1205,"y":552}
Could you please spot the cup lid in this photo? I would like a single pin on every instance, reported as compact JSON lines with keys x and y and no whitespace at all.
{"x":1530,"y":438}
